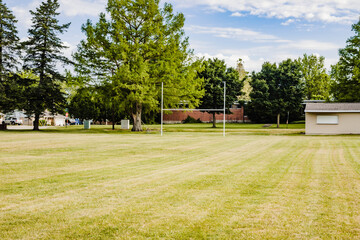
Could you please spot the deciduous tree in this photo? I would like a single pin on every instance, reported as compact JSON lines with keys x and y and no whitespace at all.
{"x":140,"y":46}
{"x":276,"y":91}
{"x":317,"y":82}
{"x":215,"y":74}
{"x":346,"y":73}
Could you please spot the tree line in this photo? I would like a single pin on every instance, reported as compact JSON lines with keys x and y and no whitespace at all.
{"x":133,"y":48}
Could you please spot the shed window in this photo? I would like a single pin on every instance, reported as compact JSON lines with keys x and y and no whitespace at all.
{"x":323,"y":119}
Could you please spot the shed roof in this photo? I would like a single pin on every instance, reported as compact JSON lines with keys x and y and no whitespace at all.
{"x":332,"y":107}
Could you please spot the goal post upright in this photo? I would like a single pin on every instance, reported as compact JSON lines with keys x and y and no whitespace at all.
{"x":224,"y":108}
{"x":162,"y":106}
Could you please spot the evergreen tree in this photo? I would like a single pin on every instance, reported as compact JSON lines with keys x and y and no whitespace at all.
{"x":215,"y":74}
{"x":8,"y":58}
{"x":346,"y":73}
{"x":43,"y":51}
{"x":140,"y":46}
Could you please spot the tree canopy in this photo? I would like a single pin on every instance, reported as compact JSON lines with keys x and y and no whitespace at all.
{"x":43,"y":50}
{"x":316,"y":81}
{"x":9,"y":53}
{"x":215,"y":73}
{"x":346,"y":73}
{"x":136,"y":48}
{"x":276,"y":91}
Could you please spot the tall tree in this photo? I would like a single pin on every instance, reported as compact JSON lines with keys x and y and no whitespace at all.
{"x":8,"y":57}
{"x":246,"y":90}
{"x":317,"y":81}
{"x":140,"y":46}
{"x":214,"y":74}
{"x":43,"y":51}
{"x":276,"y":91}
{"x":346,"y":73}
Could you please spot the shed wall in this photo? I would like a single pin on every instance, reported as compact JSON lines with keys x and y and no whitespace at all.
{"x":349,"y":123}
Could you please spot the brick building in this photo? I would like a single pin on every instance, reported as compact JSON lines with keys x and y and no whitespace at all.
{"x":237,"y":116}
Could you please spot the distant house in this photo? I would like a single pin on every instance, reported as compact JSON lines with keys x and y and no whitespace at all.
{"x":332,"y":118}
{"x":53,"y":119}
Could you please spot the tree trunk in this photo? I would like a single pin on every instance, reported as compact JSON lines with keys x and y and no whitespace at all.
{"x":278,"y":120}
{"x":137,"y":119}
{"x":214,"y":120}
{"x":36,"y":122}
{"x":113,"y":121}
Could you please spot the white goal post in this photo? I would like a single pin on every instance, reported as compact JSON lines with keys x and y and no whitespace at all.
{"x":184,"y":109}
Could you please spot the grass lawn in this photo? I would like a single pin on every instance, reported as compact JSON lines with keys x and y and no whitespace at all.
{"x":254,"y":183}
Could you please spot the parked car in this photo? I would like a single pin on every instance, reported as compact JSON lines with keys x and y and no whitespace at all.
{"x":13,"y":121}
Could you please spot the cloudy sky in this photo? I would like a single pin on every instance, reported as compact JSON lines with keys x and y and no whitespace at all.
{"x":253,"y":30}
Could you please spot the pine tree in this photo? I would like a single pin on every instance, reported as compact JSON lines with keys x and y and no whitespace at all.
{"x":43,"y":51}
{"x":8,"y":55}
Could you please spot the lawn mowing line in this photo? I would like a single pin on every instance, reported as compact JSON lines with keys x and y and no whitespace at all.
{"x":157,"y":172}
{"x":352,"y":154}
{"x":344,"y":196}
{"x":279,"y":212}
{"x":221,"y":202}
{"x":148,"y":160}
{"x":270,"y":179}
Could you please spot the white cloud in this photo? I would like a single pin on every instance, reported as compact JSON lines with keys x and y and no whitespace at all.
{"x":237,"y":14}
{"x":311,"y":45}
{"x":250,"y":64}
{"x":82,"y":7}
{"x":329,"y":11}
{"x":252,"y":36}
{"x":233,"y":33}
{"x":69,"y":50}
{"x":288,"y":22}
{"x":69,"y":8}
{"x":23,"y":15}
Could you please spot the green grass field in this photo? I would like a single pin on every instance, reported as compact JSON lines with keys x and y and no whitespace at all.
{"x":192,"y":183}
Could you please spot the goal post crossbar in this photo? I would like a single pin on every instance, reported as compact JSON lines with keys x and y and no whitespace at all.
{"x":202,"y":110}
{"x":182,"y":109}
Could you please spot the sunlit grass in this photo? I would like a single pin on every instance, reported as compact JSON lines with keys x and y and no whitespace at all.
{"x":100,"y":184}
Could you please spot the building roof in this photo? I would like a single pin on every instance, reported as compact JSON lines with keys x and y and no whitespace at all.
{"x":332,"y":107}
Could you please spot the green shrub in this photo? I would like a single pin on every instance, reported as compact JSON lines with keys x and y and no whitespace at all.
{"x":191,"y":120}
{"x":42,"y":123}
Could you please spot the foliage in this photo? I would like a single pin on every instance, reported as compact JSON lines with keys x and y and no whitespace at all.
{"x":43,"y":51}
{"x":215,"y":74}
{"x":346,"y":73}
{"x":8,"y":58}
{"x":190,"y":119}
{"x":42,"y":122}
{"x":246,"y":90}
{"x":83,"y":105}
{"x":277,"y":91}
{"x":14,"y":92}
{"x":139,"y":47}
{"x":316,"y":81}
{"x":95,"y":103}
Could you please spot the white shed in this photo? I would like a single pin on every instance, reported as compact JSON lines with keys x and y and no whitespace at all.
{"x":332,"y":118}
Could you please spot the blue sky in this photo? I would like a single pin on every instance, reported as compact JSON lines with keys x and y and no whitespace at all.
{"x":254,"y":30}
